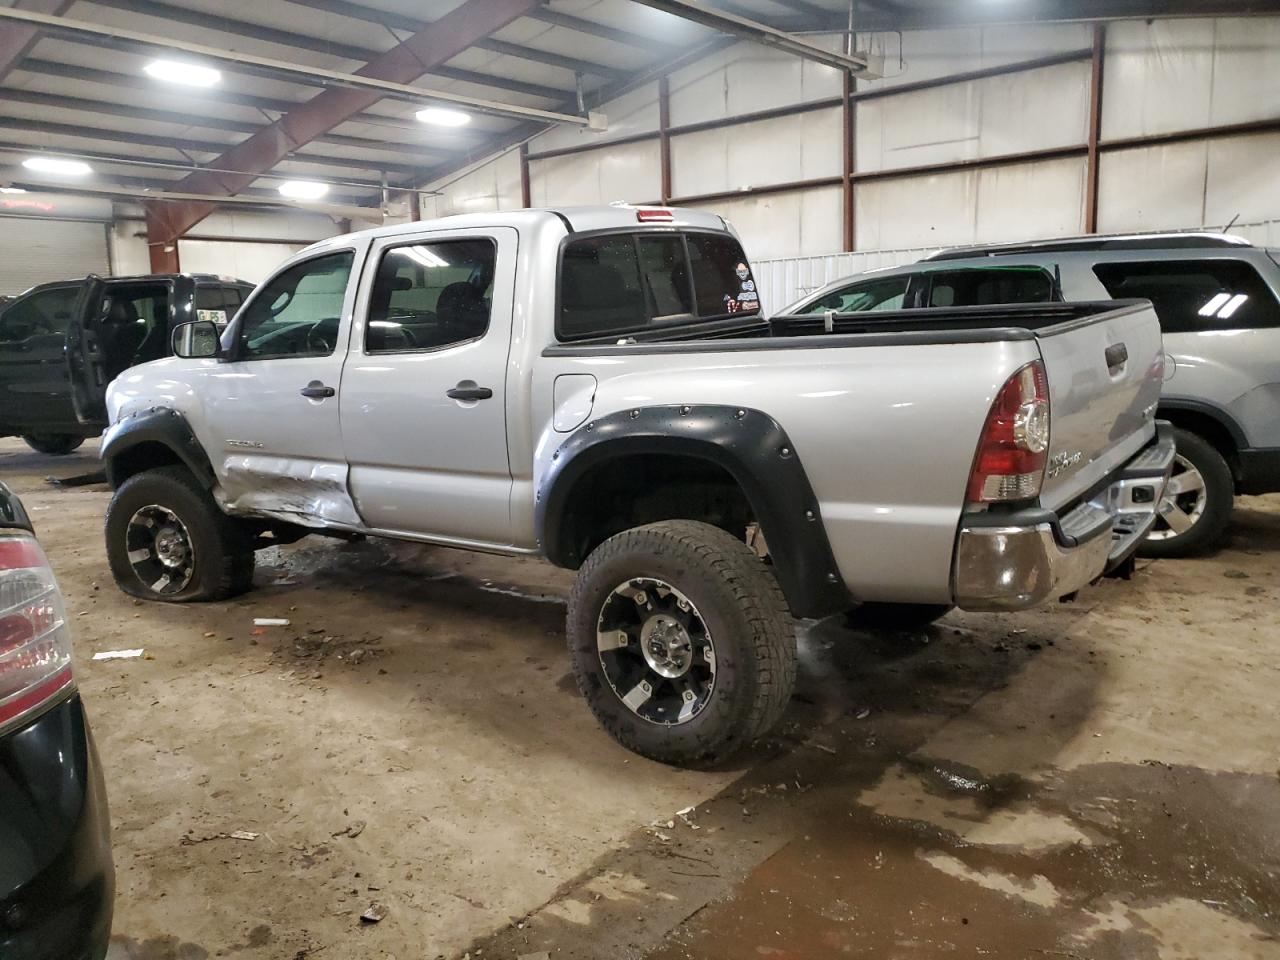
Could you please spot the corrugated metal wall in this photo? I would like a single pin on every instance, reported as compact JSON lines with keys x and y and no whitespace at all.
{"x":1162,"y":77}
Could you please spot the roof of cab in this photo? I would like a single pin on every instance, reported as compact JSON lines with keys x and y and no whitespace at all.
{"x":575,"y":219}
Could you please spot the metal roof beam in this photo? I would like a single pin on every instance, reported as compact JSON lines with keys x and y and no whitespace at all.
{"x":593,"y":29}
{"x":431,"y":154}
{"x":1062,"y":11}
{"x":730,"y":23}
{"x":17,"y":41}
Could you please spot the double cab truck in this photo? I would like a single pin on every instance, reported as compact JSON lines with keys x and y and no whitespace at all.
{"x":62,"y":342}
{"x":598,"y":386}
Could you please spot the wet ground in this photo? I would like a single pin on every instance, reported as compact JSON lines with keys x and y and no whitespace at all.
{"x":1093,"y":780}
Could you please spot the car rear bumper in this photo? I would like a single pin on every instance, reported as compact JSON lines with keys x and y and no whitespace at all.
{"x":57,"y":880}
{"x":1016,"y":560}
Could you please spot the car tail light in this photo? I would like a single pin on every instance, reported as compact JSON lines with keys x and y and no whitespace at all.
{"x":35,"y":644}
{"x":654,"y":215}
{"x":1014,"y":445}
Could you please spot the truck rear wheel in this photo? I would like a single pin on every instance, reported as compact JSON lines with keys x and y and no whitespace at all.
{"x":168,"y":541}
{"x":1196,"y":508}
{"x":54,"y":444}
{"x":681,"y":642}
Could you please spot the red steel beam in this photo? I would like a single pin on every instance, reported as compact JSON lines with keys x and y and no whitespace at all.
{"x":847,"y":134}
{"x":17,"y":39}
{"x":1097,"y":56}
{"x":526,"y":189}
{"x":439,"y":42}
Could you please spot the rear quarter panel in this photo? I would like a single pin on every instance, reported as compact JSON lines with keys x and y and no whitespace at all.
{"x":886,"y":435}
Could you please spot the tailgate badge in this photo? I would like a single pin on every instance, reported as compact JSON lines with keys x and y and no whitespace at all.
{"x":1061,"y":462}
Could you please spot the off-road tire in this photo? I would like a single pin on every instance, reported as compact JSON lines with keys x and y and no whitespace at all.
{"x":745,"y":613}
{"x":53,"y":444}
{"x":222,"y":550}
{"x":901,"y":617}
{"x":1209,"y":530}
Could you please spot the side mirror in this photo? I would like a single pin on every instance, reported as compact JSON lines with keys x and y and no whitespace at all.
{"x":196,"y":341}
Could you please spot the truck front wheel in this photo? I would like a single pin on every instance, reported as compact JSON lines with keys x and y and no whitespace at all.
{"x":681,"y":642}
{"x":168,"y":541}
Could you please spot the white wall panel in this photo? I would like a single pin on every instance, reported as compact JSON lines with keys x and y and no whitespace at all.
{"x":746,"y":78}
{"x":244,"y":261}
{"x":1243,"y":180}
{"x":980,"y":118}
{"x":1157,"y":77}
{"x":492,"y":186}
{"x":632,"y":113}
{"x":785,"y":224}
{"x":1152,"y":188}
{"x":971,"y":206}
{"x":1246,"y":69}
{"x":938,"y":53}
{"x":628,"y":172}
{"x":801,"y":147}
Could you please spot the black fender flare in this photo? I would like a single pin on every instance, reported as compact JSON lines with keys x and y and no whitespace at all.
{"x":1213,"y":411}
{"x":750,"y":446}
{"x":160,"y":425}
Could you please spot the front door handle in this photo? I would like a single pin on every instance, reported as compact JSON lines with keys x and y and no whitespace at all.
{"x":315,"y":390}
{"x":467,"y":390}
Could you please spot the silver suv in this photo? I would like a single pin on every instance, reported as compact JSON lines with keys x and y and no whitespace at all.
{"x":1216,"y":297}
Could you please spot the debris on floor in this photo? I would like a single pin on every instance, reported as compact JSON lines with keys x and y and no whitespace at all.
{"x":118,"y":654}
{"x":270,"y":621}
{"x":375,"y":913}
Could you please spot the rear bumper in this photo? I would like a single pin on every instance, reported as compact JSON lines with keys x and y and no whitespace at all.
{"x":57,"y":880}
{"x":1017,"y":560}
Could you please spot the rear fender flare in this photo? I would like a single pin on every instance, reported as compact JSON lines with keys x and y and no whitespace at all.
{"x":750,"y":446}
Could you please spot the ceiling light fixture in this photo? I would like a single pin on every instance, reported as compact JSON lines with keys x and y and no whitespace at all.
{"x":58,"y":165}
{"x":187,"y":74}
{"x":443,"y":117}
{"x":303,"y":189}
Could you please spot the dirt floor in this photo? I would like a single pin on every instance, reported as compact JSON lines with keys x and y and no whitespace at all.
{"x":1093,"y":780}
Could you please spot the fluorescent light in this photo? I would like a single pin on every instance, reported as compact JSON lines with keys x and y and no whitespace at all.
{"x":443,"y":117}
{"x":424,"y":257}
{"x":303,"y":189}
{"x":58,"y":165}
{"x":188,"y":74}
{"x":12,"y":190}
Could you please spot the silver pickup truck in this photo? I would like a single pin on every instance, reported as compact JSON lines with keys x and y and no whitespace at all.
{"x":598,"y":386}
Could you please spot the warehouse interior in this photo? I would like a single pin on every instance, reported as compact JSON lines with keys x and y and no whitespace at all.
{"x":380,"y":749}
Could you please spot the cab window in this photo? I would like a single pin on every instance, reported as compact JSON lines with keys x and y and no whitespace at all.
{"x":620,"y":283}
{"x":431,"y":295}
{"x":298,"y":312}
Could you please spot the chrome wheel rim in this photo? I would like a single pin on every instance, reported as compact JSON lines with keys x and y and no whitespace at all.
{"x":1183,"y":502}
{"x":159,"y":549}
{"x":656,"y":651}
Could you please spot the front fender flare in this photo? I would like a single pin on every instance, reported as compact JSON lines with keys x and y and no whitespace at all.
{"x":155,"y":425}
{"x":746,"y":443}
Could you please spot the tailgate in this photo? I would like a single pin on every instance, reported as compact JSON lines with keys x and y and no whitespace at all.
{"x":1105,"y":374}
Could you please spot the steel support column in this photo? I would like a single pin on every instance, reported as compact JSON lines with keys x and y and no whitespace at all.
{"x":664,"y":135}
{"x":1096,"y":59}
{"x":526,"y":191}
{"x":847,"y":109}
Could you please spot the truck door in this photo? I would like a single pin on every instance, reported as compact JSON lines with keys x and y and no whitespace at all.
{"x":85,"y":361}
{"x":34,"y":392}
{"x":424,"y":407}
{"x":270,"y":410}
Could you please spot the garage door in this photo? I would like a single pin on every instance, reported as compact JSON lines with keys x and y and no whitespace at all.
{"x":37,"y":251}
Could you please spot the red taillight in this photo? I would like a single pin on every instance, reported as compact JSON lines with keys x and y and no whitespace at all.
{"x":35,"y":645}
{"x":1014,"y":444}
{"x":654,"y":215}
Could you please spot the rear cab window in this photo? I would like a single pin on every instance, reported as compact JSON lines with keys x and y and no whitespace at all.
{"x":1192,"y":296}
{"x":625,"y":282}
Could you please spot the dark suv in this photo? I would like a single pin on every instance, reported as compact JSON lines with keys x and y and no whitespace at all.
{"x":92,"y":328}
{"x":1218,"y":299}
{"x":57,"y":880}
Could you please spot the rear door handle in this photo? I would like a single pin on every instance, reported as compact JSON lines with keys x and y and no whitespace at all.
{"x":315,"y":390}
{"x":1117,"y":355}
{"x":467,"y":390}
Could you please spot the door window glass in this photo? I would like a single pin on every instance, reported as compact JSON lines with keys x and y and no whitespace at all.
{"x":431,"y":295}
{"x":46,"y":313}
{"x":1195,"y":295}
{"x":886,"y":293}
{"x":297,"y":313}
{"x":135,"y":321}
{"x":621,"y":283}
{"x":990,"y":286}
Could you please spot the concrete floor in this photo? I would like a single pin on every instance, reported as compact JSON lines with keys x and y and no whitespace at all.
{"x":1092,"y":780}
